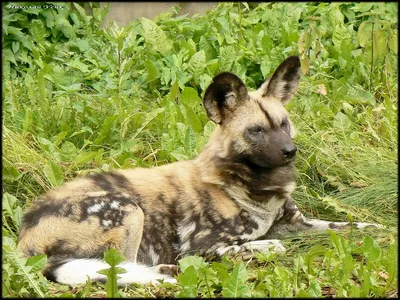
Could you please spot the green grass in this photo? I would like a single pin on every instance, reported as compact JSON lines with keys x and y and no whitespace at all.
{"x":89,"y":99}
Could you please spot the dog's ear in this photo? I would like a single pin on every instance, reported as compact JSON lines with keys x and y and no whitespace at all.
{"x":284,"y":81}
{"x":223,"y":95}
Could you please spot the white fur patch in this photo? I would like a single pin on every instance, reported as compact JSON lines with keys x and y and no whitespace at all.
{"x":271,"y":188}
{"x":97,"y":194}
{"x":114,"y":205}
{"x":230,"y":99}
{"x":106,"y":223}
{"x":94,"y":208}
{"x":185,"y":246}
{"x":153,"y":255}
{"x":185,"y":231}
{"x":263,"y":226}
{"x":361,"y":225}
{"x":290,"y":187}
{"x":264,"y":214}
{"x":76,"y":272}
{"x":222,"y":250}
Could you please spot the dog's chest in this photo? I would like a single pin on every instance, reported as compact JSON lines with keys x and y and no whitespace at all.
{"x":208,"y":228}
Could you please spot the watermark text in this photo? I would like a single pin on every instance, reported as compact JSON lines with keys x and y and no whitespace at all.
{"x":44,"y":6}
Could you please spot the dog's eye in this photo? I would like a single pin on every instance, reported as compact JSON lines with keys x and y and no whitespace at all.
{"x":256,"y":130}
{"x":285,"y":125}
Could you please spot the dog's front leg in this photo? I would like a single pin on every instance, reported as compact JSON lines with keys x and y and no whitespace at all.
{"x":292,"y":221}
{"x":246,"y":250}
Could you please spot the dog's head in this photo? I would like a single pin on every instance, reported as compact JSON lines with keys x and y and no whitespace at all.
{"x":255,"y":125}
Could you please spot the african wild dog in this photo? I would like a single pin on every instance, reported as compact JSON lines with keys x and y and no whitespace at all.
{"x":236,"y":192}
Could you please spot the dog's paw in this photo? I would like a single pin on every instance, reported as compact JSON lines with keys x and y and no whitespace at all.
{"x":166,"y":269}
{"x":265,"y":245}
{"x":228,"y":250}
{"x":361,"y":225}
{"x":246,"y":250}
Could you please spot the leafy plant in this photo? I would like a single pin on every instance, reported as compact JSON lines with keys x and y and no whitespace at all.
{"x":113,"y":258}
{"x":21,"y":275}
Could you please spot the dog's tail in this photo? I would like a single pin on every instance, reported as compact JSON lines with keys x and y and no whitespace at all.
{"x":75,"y":271}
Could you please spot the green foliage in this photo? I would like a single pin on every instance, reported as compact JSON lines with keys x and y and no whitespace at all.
{"x":113,"y":258}
{"x":80,"y":98}
{"x":342,"y":268}
{"x":21,"y":276}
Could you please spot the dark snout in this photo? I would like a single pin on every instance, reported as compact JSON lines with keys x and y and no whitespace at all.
{"x":289,"y":151}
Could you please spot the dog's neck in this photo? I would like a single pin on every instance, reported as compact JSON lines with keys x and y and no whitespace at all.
{"x":217,"y":166}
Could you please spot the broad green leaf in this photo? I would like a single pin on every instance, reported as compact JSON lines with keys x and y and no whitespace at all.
{"x":53,"y":173}
{"x":10,"y":173}
{"x":371,"y":248}
{"x":84,"y":157}
{"x":74,"y":17}
{"x":8,"y":55}
{"x":190,"y":141}
{"x":190,"y":46}
{"x":9,"y":203}
{"x":81,"y":66}
{"x":190,"y":98}
{"x":18,"y":217}
{"x":304,"y":42}
{"x":113,"y":257}
{"x":38,"y":31}
{"x":227,"y":57}
{"x":21,"y":37}
{"x":188,"y":280}
{"x":195,"y":261}
{"x":364,"y":33}
{"x":49,"y":17}
{"x":305,"y":64}
{"x":155,"y":36}
{"x":208,"y":48}
{"x":105,"y":129}
{"x":394,"y":42}
{"x":221,"y":269}
{"x":37,"y":262}
{"x":179,"y":154}
{"x":315,"y":289}
{"x":65,"y":27}
{"x":81,"y":11}
{"x":342,"y":122}
{"x":83,"y":46}
{"x":23,"y":271}
{"x":235,"y":286}
{"x":15,"y":46}
{"x":391,"y":264}
{"x":197,"y":63}
{"x":72,"y":88}
{"x":68,"y":151}
{"x":282,"y":273}
{"x":152,"y":70}
{"x":303,"y":294}
{"x":149,"y":117}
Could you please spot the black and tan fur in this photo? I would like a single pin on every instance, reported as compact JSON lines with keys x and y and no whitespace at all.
{"x":237,"y":191}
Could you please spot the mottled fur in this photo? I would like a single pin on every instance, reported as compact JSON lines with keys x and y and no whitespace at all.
{"x":236,"y":191}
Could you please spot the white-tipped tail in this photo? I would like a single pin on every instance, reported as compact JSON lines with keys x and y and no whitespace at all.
{"x":76,"y":271}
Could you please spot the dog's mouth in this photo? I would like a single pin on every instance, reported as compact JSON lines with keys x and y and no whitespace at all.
{"x":255,"y":164}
